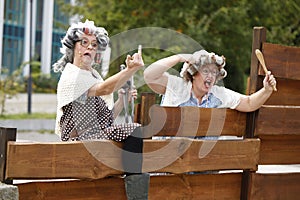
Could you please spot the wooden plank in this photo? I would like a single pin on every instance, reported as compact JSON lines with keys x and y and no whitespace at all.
{"x":192,"y":121}
{"x":89,"y":159}
{"x":98,"y":159}
{"x":282,"y":60}
{"x":6,"y":134}
{"x":275,"y":186}
{"x":278,"y":150}
{"x":183,"y":155}
{"x":106,"y":188}
{"x":278,"y":120}
{"x":288,"y":93}
{"x":206,"y":186}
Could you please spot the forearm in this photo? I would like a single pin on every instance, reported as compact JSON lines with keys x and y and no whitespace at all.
{"x":156,"y":69}
{"x":254,"y":101}
{"x":118,"y":107}
{"x":154,"y":74}
{"x":259,"y":98}
{"x":112,"y":84}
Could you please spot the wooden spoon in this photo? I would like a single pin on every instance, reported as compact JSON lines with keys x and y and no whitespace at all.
{"x":260,"y":57}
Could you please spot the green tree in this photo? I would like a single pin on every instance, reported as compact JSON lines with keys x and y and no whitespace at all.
{"x":221,"y":26}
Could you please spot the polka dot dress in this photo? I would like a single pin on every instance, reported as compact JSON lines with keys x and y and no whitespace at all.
{"x":92,"y":120}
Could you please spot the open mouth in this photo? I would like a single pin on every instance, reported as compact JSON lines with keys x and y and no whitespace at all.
{"x":207,"y":83}
{"x":87,"y":54}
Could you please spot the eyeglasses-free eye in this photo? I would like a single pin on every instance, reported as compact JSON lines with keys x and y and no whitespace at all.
{"x":85,"y":43}
{"x":205,"y":71}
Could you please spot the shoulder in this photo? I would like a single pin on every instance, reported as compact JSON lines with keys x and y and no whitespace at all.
{"x":177,"y":91}
{"x":176,"y":82}
{"x":229,"y":98}
{"x":216,"y":89}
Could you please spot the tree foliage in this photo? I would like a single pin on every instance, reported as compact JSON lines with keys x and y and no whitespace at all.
{"x":222,"y":26}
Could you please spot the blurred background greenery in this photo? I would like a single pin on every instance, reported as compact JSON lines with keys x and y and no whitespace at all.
{"x":222,"y":26}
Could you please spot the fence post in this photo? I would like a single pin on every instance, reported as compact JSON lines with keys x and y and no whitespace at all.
{"x":259,"y":37}
{"x":6,"y":134}
{"x":147,"y":100}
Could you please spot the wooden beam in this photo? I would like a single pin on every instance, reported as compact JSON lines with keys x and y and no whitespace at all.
{"x":275,"y":186}
{"x":87,"y":160}
{"x":288,"y":93}
{"x":106,"y":188}
{"x":6,"y":134}
{"x":206,"y":186}
{"x":183,"y":155}
{"x":282,"y":60}
{"x":279,"y":149}
{"x":97,"y":159}
{"x":203,"y":186}
{"x":259,"y":36}
{"x":278,"y":120}
{"x":192,"y":121}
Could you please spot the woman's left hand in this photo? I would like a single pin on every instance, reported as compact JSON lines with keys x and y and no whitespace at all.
{"x":269,"y":82}
{"x":132,"y":94}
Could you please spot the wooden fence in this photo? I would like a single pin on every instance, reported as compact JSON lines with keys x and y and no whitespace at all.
{"x":271,"y":135}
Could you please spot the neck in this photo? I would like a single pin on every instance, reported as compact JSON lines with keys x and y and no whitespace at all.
{"x":198,"y":94}
{"x":82,"y":66}
{"x":88,"y":68}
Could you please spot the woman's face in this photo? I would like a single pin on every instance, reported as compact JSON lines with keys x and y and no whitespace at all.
{"x":85,"y":51}
{"x":205,"y":78}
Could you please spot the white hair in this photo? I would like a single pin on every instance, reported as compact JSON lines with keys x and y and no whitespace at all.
{"x":73,"y":35}
{"x":200,"y":59}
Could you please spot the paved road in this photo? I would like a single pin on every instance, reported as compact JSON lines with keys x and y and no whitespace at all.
{"x":40,"y":103}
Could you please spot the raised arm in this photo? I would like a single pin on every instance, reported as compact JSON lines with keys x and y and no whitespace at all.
{"x":257,"y":99}
{"x":154,"y":74}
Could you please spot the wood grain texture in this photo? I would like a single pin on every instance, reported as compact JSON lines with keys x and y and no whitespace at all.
{"x":106,"y":188}
{"x":282,"y":60}
{"x":278,"y":120}
{"x":275,"y":186}
{"x":288,"y":93}
{"x":63,"y":160}
{"x":167,"y":187}
{"x":184,"y":155}
{"x":281,"y":149}
{"x":54,"y":160}
{"x":192,"y":121}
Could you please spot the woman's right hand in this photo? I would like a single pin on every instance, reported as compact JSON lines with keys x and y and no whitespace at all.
{"x":135,"y":61}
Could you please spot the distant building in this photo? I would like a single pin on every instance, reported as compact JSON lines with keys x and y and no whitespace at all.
{"x":45,"y":31}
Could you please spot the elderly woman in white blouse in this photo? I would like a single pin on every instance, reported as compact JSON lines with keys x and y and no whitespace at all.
{"x":197,"y":84}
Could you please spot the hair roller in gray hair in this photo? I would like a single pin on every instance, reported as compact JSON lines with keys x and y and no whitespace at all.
{"x":223,"y":73}
{"x":102,"y":38}
{"x":61,"y":63}
{"x":73,"y":35}
{"x":202,"y":58}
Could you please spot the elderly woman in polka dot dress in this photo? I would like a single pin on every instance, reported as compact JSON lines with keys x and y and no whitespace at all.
{"x":85,"y":102}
